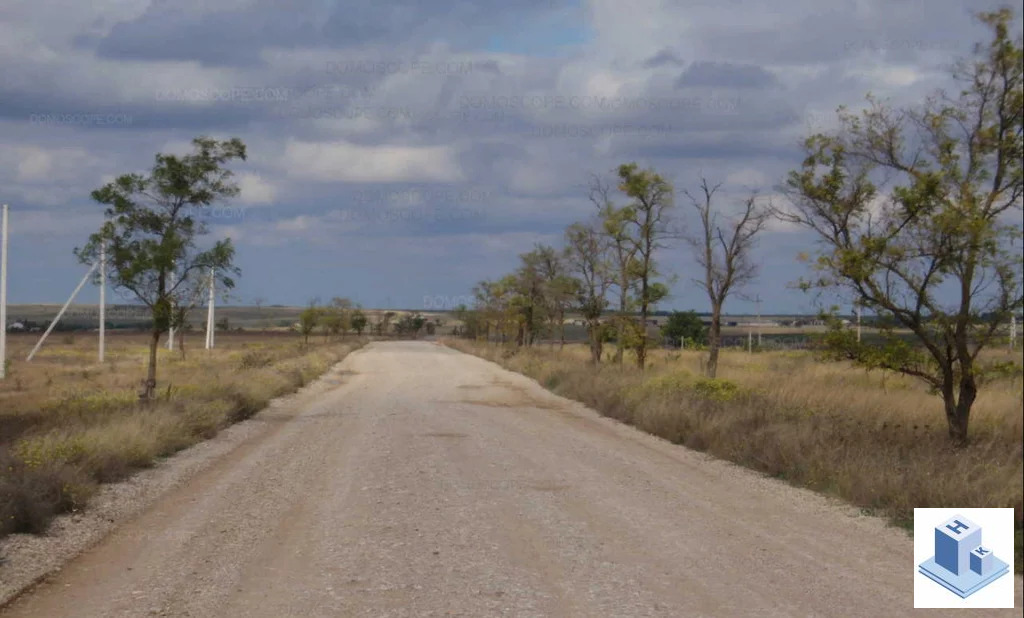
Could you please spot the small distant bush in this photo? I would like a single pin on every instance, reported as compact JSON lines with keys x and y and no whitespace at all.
{"x":254,"y":359}
{"x":718,"y":389}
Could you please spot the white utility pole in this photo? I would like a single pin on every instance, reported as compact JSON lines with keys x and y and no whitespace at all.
{"x":209,"y":313}
{"x":1013,"y":331}
{"x":103,"y":301}
{"x":170,"y":331}
{"x":53,"y":324}
{"x":3,"y":292}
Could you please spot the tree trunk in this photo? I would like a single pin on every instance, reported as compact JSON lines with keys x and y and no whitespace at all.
{"x":642,"y":347}
{"x":149,"y":392}
{"x":714,"y":339}
{"x":561,"y":329}
{"x":620,"y":326}
{"x":958,"y":409}
{"x":595,"y":342}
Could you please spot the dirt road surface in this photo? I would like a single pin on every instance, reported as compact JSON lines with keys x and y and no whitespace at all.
{"x":432,"y":483}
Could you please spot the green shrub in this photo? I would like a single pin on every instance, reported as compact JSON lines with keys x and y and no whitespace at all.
{"x":718,"y":389}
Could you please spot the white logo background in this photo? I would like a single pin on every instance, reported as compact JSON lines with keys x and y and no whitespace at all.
{"x":996,"y":534}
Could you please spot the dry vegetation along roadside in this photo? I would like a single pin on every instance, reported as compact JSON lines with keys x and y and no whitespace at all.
{"x":877,"y":440}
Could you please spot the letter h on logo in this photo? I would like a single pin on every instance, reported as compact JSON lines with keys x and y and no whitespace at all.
{"x":954,"y":541}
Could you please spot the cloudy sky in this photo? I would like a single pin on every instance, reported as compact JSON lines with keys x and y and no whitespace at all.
{"x":402,"y":150}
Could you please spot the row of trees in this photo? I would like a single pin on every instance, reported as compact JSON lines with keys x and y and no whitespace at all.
{"x":608,"y":270}
{"x":341,"y":316}
{"x":337,"y":318}
{"x":915,"y":215}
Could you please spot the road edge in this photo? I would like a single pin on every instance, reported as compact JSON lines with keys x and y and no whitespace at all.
{"x":71,"y":534}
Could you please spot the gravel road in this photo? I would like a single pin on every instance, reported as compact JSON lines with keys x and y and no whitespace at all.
{"x":432,"y":483}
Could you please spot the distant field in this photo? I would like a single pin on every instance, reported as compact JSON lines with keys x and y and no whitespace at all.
{"x":268,"y":317}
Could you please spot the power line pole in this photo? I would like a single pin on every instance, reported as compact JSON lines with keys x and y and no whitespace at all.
{"x":170,"y":330}
{"x":1013,"y":331}
{"x":103,"y":301}
{"x":60,"y":314}
{"x":3,"y":292}
{"x":209,"y":313}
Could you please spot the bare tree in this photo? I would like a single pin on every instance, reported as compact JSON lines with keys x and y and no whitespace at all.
{"x":559,"y":288}
{"x":622,"y":254}
{"x":587,"y":258}
{"x":723,"y":253}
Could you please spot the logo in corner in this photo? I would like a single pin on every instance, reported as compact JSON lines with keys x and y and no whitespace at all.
{"x":962,"y":563}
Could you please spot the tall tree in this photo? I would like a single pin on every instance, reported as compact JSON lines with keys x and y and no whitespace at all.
{"x":341,"y":315}
{"x":724,"y":254}
{"x":358,"y":321}
{"x":491,"y":306}
{"x":683,"y":326}
{"x":647,"y":217}
{"x":152,"y":229}
{"x":939,"y":254}
{"x":559,"y":289}
{"x":622,"y":252}
{"x":308,"y":320}
{"x":528,"y":301}
{"x":587,"y":259}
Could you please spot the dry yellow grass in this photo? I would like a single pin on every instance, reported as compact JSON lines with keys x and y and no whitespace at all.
{"x":68,"y":423}
{"x":877,"y":440}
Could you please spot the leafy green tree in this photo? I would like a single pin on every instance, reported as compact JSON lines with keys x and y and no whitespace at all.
{"x":330,"y":322}
{"x":527,"y":301}
{"x":950,"y":227}
{"x":683,"y":326}
{"x":410,"y":324}
{"x":336,"y":318}
{"x":358,"y":321}
{"x":151,"y":232}
{"x":309,"y":319}
{"x":647,"y":219}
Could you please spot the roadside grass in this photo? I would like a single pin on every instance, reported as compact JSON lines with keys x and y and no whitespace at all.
{"x":873,"y":439}
{"x":68,"y":423}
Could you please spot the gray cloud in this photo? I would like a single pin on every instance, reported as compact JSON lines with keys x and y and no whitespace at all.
{"x":725,"y":75}
{"x":380,"y":84}
{"x":665,"y":57}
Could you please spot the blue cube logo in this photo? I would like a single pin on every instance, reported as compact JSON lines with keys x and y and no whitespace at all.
{"x":961,"y":563}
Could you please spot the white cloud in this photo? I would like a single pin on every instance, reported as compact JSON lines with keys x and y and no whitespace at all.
{"x":53,"y":223}
{"x":343,"y":161}
{"x":893,"y":76}
{"x":255,"y":190}
{"x":34,"y":164}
